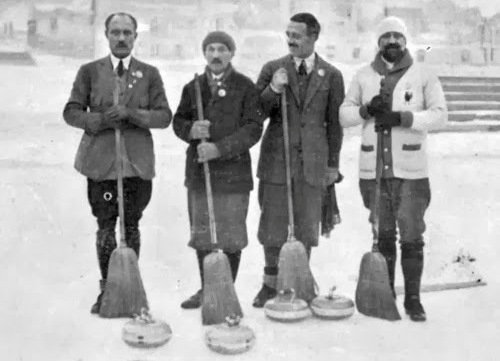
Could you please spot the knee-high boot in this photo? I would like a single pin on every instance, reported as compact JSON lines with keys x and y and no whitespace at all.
{"x":412,"y":262}
{"x":388,"y":250}
{"x":105,"y":245}
{"x":195,"y":300}
{"x":133,"y":239}
{"x":234,"y":262}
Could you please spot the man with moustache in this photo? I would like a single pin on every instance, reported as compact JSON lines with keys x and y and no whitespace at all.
{"x":141,"y":105}
{"x":233,"y":124}
{"x":403,"y":101}
{"x":315,"y":90}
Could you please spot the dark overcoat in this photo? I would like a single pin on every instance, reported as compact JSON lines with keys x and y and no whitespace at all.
{"x":236,"y":125}
{"x":315,"y":141}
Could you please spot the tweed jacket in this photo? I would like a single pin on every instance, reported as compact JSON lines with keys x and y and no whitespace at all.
{"x":236,"y":125}
{"x":92,"y":94}
{"x":315,"y":131}
{"x":418,"y":92}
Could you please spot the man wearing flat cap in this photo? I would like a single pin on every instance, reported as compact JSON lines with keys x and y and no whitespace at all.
{"x":233,"y":124}
{"x":403,"y":101}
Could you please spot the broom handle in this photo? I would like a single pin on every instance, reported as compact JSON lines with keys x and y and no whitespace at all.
{"x":378,"y":180}
{"x":119,"y":171}
{"x":286,"y":141}
{"x":206,"y":169}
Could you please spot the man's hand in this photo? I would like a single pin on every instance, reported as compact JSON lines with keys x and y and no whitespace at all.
{"x":332,"y":174}
{"x":387,"y":120}
{"x":116,"y":113}
{"x":377,"y":106}
{"x":280,"y":79}
{"x":115,"y":117}
{"x":207,"y":151}
{"x":200,"y":129}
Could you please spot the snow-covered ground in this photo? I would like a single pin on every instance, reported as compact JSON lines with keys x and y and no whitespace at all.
{"x":49,"y":273}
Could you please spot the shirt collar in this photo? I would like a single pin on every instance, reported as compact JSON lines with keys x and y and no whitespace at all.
{"x":115,"y":61}
{"x":217,"y":76}
{"x":309,"y":62}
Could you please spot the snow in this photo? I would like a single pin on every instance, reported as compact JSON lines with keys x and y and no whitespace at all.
{"x":49,"y":277}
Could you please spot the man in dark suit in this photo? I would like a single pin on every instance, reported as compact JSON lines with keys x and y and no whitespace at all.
{"x":315,"y":90}
{"x":233,"y":124}
{"x":117,"y":91}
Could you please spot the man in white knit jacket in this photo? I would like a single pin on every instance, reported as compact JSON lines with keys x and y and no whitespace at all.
{"x":401,"y":99}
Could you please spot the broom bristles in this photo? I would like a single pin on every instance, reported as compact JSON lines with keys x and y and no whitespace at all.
{"x":124,"y":294}
{"x":219,"y":296}
{"x":373,"y":292}
{"x":294,"y":271}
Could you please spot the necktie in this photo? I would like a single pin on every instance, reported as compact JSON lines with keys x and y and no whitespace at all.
{"x":119,"y":69}
{"x":302,"y":68}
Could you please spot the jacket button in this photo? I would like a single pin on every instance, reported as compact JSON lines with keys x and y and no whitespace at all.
{"x":386,"y":167}
{"x":386,"y":149}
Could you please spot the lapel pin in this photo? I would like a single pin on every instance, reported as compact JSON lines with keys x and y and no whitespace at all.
{"x":130,"y":85}
{"x":408,"y":95}
{"x":222,"y":93}
{"x":321,"y":72}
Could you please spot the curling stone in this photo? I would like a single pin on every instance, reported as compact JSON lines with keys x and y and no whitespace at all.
{"x":332,"y":306}
{"x":285,"y":307}
{"x":230,"y":338}
{"x":145,"y":332}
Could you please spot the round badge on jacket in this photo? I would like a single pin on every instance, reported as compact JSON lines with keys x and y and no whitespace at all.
{"x":222,"y":93}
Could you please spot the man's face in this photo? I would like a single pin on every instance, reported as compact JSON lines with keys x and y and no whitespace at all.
{"x":218,"y":57}
{"x":392,"y":46}
{"x":299,"y":43}
{"x":121,"y":35}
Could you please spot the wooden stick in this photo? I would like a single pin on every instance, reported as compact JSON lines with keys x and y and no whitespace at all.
{"x":436,"y":287}
{"x":119,"y":172}
{"x":206,"y":169}
{"x":286,"y":142}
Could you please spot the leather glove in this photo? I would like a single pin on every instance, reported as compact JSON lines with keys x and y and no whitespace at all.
{"x":200,"y":129}
{"x":377,"y":106}
{"x":387,"y":120}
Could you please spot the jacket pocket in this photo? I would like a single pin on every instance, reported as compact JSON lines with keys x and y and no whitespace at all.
{"x":367,"y":148}
{"x":412,"y":147}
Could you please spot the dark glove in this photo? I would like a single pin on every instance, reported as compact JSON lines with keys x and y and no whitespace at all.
{"x":387,"y":120}
{"x":377,"y":106}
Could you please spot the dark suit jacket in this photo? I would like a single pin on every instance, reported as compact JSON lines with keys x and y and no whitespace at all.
{"x":92,"y":94}
{"x":315,"y":130}
{"x":236,"y":125}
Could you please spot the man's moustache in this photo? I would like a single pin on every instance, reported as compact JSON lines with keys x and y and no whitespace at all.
{"x":292,"y":45}
{"x":216,"y":61}
{"x":393,"y":46}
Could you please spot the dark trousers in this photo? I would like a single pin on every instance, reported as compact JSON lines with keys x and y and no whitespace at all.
{"x":103,"y":199}
{"x":403,"y":203}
